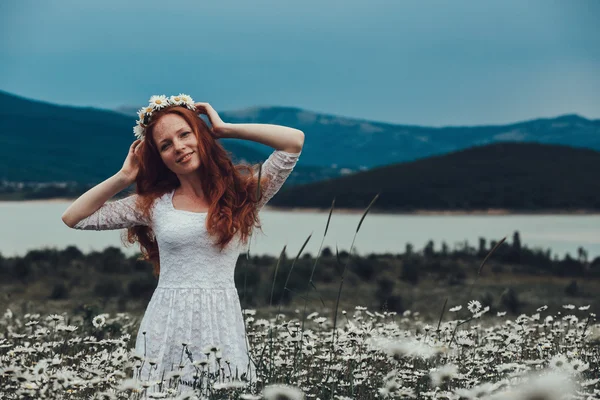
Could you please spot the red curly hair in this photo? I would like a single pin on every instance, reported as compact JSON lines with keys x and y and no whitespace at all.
{"x":231,"y":190}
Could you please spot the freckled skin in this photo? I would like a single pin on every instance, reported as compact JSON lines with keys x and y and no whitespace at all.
{"x":176,"y":145}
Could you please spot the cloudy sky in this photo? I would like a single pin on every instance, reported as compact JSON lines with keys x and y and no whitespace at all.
{"x":413,"y":62}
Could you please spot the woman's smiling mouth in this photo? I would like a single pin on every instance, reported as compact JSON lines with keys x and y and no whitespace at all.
{"x":185,"y":158}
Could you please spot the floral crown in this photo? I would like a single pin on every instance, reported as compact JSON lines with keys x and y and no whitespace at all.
{"x":158,"y":102}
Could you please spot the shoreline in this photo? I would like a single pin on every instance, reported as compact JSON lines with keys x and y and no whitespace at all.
{"x":489,"y":211}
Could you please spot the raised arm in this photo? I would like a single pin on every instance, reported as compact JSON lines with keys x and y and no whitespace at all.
{"x":287,"y":142}
{"x":277,"y":167}
{"x":118,"y":214}
{"x":92,"y":211}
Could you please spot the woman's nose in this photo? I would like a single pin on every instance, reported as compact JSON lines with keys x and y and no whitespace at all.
{"x":179,"y":145}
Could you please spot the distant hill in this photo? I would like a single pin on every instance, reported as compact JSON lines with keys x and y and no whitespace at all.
{"x":86,"y":145}
{"x":355,"y":143}
{"x":515,"y":176}
{"x":44,"y":142}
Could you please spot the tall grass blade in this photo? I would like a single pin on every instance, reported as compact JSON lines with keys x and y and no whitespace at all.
{"x":366,"y":211}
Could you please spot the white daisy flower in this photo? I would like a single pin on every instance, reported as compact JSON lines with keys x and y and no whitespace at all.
{"x":141,"y":112}
{"x":99,"y":321}
{"x":138,"y":131}
{"x":130,"y":384}
{"x":54,"y":317}
{"x":312,"y":315}
{"x":443,"y":374}
{"x":148,"y":109}
{"x":159,"y":101}
{"x":187,"y":100}
{"x":560,"y":361}
{"x":248,"y":396}
{"x":579,"y":366}
{"x":177,"y":100}
{"x":281,"y":391}
{"x":174,"y":375}
{"x":474,"y":306}
{"x":230,"y":385}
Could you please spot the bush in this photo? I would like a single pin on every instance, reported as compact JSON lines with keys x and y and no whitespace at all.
{"x":142,"y":288}
{"x":488,"y":300}
{"x":59,"y":291}
{"x":327,"y":275}
{"x":108,"y":288}
{"x":410,"y":271}
{"x":510,"y":300}
{"x":393,"y":303}
{"x":497,"y":268}
{"x":572,"y":289}
{"x":364,"y":268}
{"x":385,"y":286}
{"x":457,"y":278}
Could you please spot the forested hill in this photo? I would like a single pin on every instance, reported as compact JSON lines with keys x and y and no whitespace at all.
{"x":46,"y":142}
{"x":355,"y":143}
{"x":508,"y":175}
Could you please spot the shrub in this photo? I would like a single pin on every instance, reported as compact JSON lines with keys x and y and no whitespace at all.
{"x":510,"y":300}
{"x":395,"y":303}
{"x":108,"y":288}
{"x":142,"y":288}
{"x":385,"y":286}
{"x":457,"y":278}
{"x":572,"y":289}
{"x":59,"y":291}
{"x":364,"y":268}
{"x":410,"y":271}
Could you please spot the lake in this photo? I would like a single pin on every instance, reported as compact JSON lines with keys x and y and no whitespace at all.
{"x":33,"y":225}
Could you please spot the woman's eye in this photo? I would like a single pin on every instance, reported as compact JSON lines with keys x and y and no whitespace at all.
{"x":185,"y":133}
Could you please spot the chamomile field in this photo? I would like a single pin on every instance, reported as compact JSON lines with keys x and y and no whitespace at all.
{"x":465,"y":354}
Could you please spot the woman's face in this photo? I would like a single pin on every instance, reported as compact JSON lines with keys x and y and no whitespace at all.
{"x":176,"y":144}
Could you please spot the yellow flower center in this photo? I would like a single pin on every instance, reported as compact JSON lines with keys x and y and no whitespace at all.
{"x":177,"y":99}
{"x":158,"y":101}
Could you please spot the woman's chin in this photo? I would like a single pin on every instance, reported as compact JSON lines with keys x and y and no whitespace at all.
{"x":187,"y":167}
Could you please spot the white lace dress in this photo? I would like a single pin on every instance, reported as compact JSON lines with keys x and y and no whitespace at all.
{"x":196,"y":301}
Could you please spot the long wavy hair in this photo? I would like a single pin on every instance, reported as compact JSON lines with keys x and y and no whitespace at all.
{"x":232,"y":190}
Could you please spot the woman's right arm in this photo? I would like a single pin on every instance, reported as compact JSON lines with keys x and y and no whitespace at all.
{"x":92,"y":211}
{"x":89,"y":202}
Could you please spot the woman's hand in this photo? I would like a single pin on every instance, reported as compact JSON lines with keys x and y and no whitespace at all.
{"x":131,"y":166}
{"x":218,"y":126}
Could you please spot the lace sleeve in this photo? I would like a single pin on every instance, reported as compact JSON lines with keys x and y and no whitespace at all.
{"x":116,"y":214}
{"x":277,"y":167}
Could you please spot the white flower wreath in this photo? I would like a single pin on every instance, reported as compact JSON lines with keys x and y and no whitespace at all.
{"x":158,"y":102}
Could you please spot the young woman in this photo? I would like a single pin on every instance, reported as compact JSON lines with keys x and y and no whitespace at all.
{"x":192,"y":214}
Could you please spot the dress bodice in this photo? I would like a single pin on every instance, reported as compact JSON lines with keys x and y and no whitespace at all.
{"x":188,"y":257}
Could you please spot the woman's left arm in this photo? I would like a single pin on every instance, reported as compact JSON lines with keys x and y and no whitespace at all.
{"x":278,"y":137}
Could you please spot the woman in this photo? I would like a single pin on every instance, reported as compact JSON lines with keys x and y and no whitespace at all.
{"x":192,"y":213}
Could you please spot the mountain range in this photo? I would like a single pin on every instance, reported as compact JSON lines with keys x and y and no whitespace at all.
{"x":355,"y":143}
{"x":86,"y":144}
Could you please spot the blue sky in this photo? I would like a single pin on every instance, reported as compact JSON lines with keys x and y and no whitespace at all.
{"x":430,"y":63}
